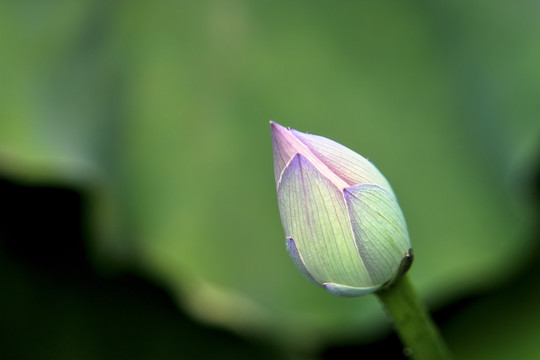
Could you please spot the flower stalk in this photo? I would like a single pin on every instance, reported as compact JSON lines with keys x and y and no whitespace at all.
{"x":413,"y":324}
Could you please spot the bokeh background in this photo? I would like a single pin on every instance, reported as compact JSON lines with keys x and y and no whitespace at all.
{"x":138,"y":208}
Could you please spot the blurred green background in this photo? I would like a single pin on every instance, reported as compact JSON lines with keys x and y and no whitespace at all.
{"x":154,"y":116}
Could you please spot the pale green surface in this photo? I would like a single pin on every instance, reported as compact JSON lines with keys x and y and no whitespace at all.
{"x":315,"y":214}
{"x":379,"y":229}
{"x":165,"y":106}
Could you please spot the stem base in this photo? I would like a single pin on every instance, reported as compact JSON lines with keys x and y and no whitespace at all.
{"x":413,"y":324}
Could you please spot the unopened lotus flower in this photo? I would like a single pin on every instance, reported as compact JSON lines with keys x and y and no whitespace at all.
{"x":344,"y":228}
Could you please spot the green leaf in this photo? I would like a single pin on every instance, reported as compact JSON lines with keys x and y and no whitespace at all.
{"x":162,"y":110}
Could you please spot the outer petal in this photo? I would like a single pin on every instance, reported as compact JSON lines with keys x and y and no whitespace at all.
{"x":379,"y":229}
{"x":298,"y":261}
{"x":345,"y":163}
{"x":284,"y":146}
{"x":314,"y":213}
{"x":349,"y":291}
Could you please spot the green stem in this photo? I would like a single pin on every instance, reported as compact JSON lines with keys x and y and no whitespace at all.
{"x":413,"y":324}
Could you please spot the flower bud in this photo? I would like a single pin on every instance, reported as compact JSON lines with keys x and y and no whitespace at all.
{"x":344,"y":228}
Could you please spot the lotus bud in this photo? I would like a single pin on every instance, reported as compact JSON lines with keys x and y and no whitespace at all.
{"x":343,"y":226}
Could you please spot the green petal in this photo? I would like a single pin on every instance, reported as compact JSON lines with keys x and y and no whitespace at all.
{"x":313,"y":212}
{"x":379,"y":229}
{"x":349,"y":291}
{"x":298,"y":261}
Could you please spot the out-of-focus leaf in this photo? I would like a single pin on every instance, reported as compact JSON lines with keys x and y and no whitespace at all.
{"x":167,"y":105}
